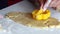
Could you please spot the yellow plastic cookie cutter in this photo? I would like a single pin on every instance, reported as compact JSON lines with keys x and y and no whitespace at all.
{"x":40,"y":14}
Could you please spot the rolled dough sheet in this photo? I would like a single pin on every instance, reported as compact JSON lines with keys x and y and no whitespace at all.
{"x":27,"y":20}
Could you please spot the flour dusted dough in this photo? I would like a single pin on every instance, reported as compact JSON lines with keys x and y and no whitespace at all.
{"x":26,"y":19}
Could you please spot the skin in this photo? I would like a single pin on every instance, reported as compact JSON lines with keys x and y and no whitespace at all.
{"x":54,"y":3}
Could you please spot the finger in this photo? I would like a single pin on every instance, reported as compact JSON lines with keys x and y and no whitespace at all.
{"x":58,"y":6}
{"x":58,"y":3}
{"x":42,"y":2}
{"x":53,"y":3}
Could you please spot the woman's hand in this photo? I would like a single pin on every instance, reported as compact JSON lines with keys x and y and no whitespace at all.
{"x":55,"y":4}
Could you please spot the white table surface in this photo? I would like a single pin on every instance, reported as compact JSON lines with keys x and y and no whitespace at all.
{"x":25,"y":6}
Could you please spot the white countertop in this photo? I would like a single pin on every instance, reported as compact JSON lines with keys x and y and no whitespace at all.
{"x":25,"y":6}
